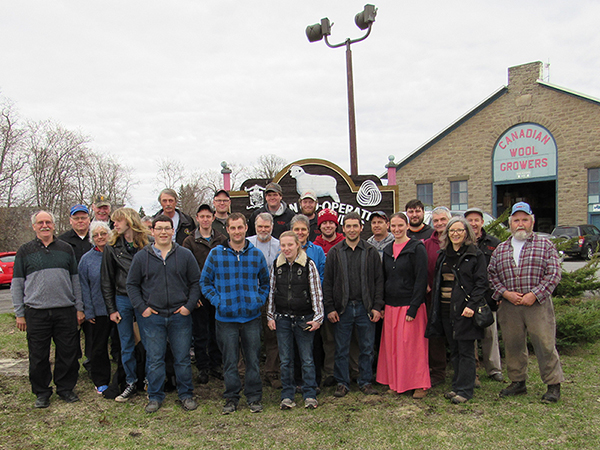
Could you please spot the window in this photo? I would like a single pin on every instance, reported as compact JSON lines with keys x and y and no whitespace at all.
{"x":459,"y":195}
{"x":425,"y":194}
{"x":594,"y":185}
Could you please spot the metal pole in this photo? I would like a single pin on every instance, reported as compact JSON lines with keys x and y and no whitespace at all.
{"x":351,"y":116}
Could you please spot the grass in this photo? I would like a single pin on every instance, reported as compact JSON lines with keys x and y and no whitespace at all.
{"x":356,"y":421}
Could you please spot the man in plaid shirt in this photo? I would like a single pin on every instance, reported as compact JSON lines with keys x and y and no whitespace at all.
{"x":235,"y":280}
{"x":523,"y":271}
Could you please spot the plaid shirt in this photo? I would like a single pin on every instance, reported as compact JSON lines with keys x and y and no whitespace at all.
{"x":235,"y":283}
{"x":538,"y":272}
{"x":314,"y":281}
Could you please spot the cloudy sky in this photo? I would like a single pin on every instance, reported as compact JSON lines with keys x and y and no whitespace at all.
{"x":202,"y":82}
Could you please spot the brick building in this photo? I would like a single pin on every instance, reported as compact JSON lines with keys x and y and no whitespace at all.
{"x":529,"y":141}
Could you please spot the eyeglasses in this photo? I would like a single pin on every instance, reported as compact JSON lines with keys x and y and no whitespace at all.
{"x":459,"y":231}
{"x":222,"y":201}
{"x":80,"y":218}
{"x":101,"y":234}
{"x":161,"y":229}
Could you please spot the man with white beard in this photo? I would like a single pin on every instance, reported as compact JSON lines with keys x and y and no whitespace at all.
{"x":524,"y":271}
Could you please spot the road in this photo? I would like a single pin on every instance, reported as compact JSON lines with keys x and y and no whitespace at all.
{"x":6,"y":302}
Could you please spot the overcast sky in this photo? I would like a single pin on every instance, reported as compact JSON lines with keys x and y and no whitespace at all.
{"x":202,"y":82}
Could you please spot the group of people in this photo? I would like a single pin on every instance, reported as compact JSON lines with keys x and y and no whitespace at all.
{"x":323,"y":303}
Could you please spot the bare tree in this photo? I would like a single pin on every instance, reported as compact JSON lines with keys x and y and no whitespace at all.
{"x":268,"y":166}
{"x":13,"y":157}
{"x":171,"y":173}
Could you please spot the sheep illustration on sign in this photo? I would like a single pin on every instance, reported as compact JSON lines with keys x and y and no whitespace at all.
{"x":322,"y":185}
{"x":255,"y":194}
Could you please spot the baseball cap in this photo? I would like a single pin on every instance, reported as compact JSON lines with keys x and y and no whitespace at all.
{"x":523,"y":207}
{"x":79,"y":208}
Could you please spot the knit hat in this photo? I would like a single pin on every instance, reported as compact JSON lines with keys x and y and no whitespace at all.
{"x":327,"y":214}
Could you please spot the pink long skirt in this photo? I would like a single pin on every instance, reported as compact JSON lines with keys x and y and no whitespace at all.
{"x":403,"y":355}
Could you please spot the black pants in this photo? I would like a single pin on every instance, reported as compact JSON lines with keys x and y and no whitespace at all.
{"x":98,"y":334}
{"x":60,"y":325}
{"x":206,"y":349}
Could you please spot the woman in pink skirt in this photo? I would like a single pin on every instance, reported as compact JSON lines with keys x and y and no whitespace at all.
{"x":403,"y":354}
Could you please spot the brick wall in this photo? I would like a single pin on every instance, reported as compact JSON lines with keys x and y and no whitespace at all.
{"x":465,"y":153}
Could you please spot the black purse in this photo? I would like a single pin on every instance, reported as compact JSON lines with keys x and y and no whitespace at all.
{"x":483,"y":316}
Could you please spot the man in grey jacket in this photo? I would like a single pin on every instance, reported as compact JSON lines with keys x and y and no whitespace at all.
{"x":162,"y":285}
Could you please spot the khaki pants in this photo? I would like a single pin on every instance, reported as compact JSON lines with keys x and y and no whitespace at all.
{"x":537,"y":321}
{"x":490,"y":349}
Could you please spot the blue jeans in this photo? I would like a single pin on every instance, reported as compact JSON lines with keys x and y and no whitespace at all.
{"x":177,"y":329}
{"x":288,"y":328}
{"x":126,"y":336}
{"x":229,"y":335}
{"x":354,"y":315}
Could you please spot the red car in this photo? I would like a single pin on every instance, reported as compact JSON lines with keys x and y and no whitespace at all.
{"x":7,"y":259}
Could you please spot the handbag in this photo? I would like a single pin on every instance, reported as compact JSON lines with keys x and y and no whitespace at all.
{"x":483,"y":316}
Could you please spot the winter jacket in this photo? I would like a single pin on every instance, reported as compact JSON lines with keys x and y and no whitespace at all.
{"x":336,"y":285}
{"x":235,"y":283}
{"x":469,"y":289}
{"x":89,"y":278}
{"x":328,"y":245}
{"x":317,"y":254}
{"x":406,"y":276}
{"x":200,"y":247}
{"x":165,"y":285}
{"x":116,"y":260}
{"x":487,"y":244}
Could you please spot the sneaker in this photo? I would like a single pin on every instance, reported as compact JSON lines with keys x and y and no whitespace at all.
{"x":101,"y":389}
{"x":69,"y":397}
{"x":189,"y":404}
{"x":42,"y":401}
{"x":450,"y":395}
{"x":129,"y":392}
{"x":287,"y":403}
{"x":458,"y":399}
{"x":311,"y":403}
{"x":368,"y":389}
{"x":341,"y":391}
{"x":515,"y":388}
{"x":203,"y":376}
{"x":152,"y":406}
{"x":255,"y":407}
{"x":419,"y":393}
{"x":329,"y":381}
{"x":230,"y":407}
{"x":497,"y":377}
{"x":552,"y":395}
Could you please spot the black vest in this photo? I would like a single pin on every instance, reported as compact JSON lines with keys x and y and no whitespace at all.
{"x":292,"y":289}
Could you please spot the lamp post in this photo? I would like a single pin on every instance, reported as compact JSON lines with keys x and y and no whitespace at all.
{"x":364,"y":20}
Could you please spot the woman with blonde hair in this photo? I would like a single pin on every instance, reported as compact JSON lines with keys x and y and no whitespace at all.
{"x":129,"y":236}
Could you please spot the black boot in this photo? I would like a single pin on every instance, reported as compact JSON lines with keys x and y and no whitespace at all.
{"x":552,"y":395}
{"x":515,"y":388}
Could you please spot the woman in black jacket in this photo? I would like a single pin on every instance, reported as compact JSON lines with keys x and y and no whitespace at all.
{"x":129,"y":236}
{"x":403,"y":354}
{"x":459,"y":289}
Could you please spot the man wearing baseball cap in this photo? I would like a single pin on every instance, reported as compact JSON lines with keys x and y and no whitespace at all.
{"x":380,"y":225}
{"x":78,"y":236}
{"x":308,"y":203}
{"x":275,"y":206}
{"x":524,"y":271}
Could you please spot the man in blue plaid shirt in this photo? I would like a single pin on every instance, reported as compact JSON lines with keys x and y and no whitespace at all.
{"x":524,"y":271}
{"x":235,"y":280}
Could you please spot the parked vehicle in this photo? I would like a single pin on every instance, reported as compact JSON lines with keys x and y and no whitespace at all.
{"x":7,"y":260}
{"x":586,"y":239}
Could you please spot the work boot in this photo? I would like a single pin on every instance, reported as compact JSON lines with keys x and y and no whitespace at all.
{"x":552,"y":395}
{"x":515,"y":388}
